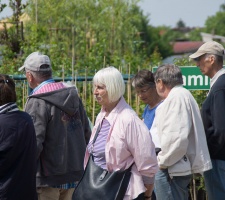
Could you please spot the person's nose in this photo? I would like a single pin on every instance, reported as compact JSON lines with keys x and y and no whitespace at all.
{"x":95,"y":91}
{"x":139,"y":94}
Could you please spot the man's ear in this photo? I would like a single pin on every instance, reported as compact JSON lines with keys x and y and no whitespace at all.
{"x":212,"y":59}
{"x":161,"y":86}
{"x":160,"y":83}
{"x":30,"y":77}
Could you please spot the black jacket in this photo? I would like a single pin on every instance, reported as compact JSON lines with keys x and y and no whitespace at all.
{"x":17,"y":157}
{"x":213,"y":116}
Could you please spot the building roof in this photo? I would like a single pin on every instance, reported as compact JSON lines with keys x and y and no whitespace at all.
{"x":186,"y":46}
{"x":209,"y":37}
{"x":23,"y":18}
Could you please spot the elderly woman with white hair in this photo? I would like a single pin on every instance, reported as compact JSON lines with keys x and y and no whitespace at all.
{"x":123,"y":138}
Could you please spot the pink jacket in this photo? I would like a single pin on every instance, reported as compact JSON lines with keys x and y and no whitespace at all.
{"x":128,"y":141}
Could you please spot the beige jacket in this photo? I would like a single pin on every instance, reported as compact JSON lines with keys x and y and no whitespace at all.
{"x":181,"y":134}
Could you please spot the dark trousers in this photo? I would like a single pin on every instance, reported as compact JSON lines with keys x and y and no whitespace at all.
{"x":153,"y":196}
{"x":140,"y":197}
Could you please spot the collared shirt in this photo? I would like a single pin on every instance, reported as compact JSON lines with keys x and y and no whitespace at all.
{"x":98,"y":148}
{"x":41,"y":85}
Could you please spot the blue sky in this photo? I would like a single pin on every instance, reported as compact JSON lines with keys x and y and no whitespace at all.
{"x":168,"y":12}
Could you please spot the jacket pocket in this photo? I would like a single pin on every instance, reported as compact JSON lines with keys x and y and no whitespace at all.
{"x":180,"y":168}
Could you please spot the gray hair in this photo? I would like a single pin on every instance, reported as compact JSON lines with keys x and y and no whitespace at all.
{"x":41,"y":76}
{"x":219,"y":59}
{"x":169,"y":74}
{"x":142,"y":78}
{"x":112,"y":79}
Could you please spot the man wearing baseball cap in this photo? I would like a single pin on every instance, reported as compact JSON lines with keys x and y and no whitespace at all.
{"x":209,"y":59}
{"x":61,"y":126}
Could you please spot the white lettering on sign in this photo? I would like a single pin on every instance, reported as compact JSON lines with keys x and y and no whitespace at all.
{"x":193,"y":80}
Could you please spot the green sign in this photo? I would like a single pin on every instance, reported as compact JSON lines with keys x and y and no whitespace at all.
{"x":193,"y":78}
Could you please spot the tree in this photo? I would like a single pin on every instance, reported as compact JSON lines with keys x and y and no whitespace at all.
{"x":215,"y":24}
{"x":11,"y":38}
{"x":88,"y":33}
{"x":58,"y":18}
{"x":180,"y":24}
{"x":109,"y":32}
{"x":2,"y":6}
{"x":195,"y":35}
{"x":222,"y":7}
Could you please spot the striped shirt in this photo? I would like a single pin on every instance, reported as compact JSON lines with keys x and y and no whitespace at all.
{"x":98,"y":149}
{"x":47,"y":86}
{"x":66,"y":186}
{"x":35,"y":90}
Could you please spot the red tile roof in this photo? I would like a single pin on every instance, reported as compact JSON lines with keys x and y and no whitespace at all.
{"x":186,"y":46}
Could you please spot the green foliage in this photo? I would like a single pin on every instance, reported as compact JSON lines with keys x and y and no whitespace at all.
{"x":155,"y":58}
{"x":200,"y":96}
{"x":94,"y":34}
{"x":106,"y":33}
{"x":170,"y":35}
{"x":222,"y":7}
{"x":184,"y":61}
{"x":215,"y":24}
{"x":11,"y":40}
{"x":195,"y":35}
{"x":103,"y":31}
{"x":160,"y":41}
{"x":10,"y":63}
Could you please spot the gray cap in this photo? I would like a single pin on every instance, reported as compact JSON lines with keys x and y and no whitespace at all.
{"x":34,"y":61}
{"x":210,"y":47}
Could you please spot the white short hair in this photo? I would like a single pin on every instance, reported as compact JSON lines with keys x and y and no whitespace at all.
{"x":112,"y":79}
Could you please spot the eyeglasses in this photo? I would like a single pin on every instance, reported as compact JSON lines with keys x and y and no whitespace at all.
{"x":142,"y":91}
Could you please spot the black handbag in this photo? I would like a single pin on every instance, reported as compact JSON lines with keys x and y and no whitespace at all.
{"x":97,"y":183}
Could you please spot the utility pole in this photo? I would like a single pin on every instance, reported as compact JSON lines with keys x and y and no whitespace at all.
{"x":36,"y":11}
{"x":73,"y":54}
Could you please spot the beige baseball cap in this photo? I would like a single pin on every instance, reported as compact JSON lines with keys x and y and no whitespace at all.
{"x":210,"y":47}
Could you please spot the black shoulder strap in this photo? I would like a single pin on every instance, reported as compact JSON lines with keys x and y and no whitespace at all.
{"x":97,"y":131}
